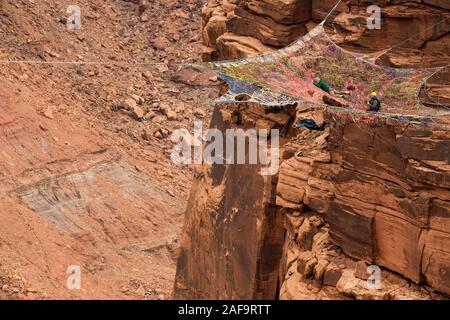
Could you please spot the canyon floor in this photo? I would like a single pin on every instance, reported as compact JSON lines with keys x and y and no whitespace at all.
{"x":86,"y":177}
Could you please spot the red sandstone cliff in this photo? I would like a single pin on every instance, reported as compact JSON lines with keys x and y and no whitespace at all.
{"x":240,"y":28}
{"x":352,"y":196}
{"x":358,"y":194}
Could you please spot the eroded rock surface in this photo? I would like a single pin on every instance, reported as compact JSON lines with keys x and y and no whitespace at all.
{"x":233,"y":236}
{"x":418,"y":29}
{"x":378,"y":205}
{"x":358,"y":194}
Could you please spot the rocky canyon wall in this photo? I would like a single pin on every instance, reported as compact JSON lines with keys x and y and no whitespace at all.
{"x":240,"y":28}
{"x":233,"y":235}
{"x":358,"y":194}
{"x":355,"y":195}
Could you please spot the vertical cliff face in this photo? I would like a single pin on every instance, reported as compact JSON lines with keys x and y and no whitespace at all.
{"x":233,"y":234}
{"x":355,"y":195}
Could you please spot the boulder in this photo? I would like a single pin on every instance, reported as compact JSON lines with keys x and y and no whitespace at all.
{"x":233,"y":46}
{"x":171,"y":115}
{"x":361,"y":270}
{"x":332,"y":275}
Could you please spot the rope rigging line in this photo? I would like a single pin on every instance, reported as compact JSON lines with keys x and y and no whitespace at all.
{"x":417,"y":34}
{"x":393,"y":116}
{"x":424,"y":88}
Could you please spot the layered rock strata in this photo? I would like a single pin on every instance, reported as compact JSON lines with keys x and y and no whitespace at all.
{"x":419,"y":30}
{"x":353,"y":196}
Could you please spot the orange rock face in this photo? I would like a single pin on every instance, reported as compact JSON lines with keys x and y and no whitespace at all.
{"x":419,"y":31}
{"x":354,"y":195}
{"x":357,"y":196}
{"x":383,"y":209}
{"x":233,"y":236}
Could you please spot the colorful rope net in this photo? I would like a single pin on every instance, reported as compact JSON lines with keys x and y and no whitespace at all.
{"x":287,"y":76}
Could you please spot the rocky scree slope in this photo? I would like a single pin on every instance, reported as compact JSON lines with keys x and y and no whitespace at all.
{"x":86,"y":177}
{"x":355,"y":195}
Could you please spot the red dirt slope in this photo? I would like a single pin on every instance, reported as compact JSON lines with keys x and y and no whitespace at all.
{"x":82,"y":181}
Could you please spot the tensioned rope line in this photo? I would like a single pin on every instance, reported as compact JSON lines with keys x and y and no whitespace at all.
{"x":434,"y":69}
{"x":402,"y":117}
{"x":355,"y":23}
{"x":264,"y":56}
{"x":79,"y":62}
{"x":383,"y":52}
{"x":430,"y":98}
{"x":423,"y":86}
{"x":394,"y":46}
{"x":239,"y":77}
{"x":292,"y":99}
{"x":331,"y":12}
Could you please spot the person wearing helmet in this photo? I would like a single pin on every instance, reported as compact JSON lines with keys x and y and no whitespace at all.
{"x":374,"y":102}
